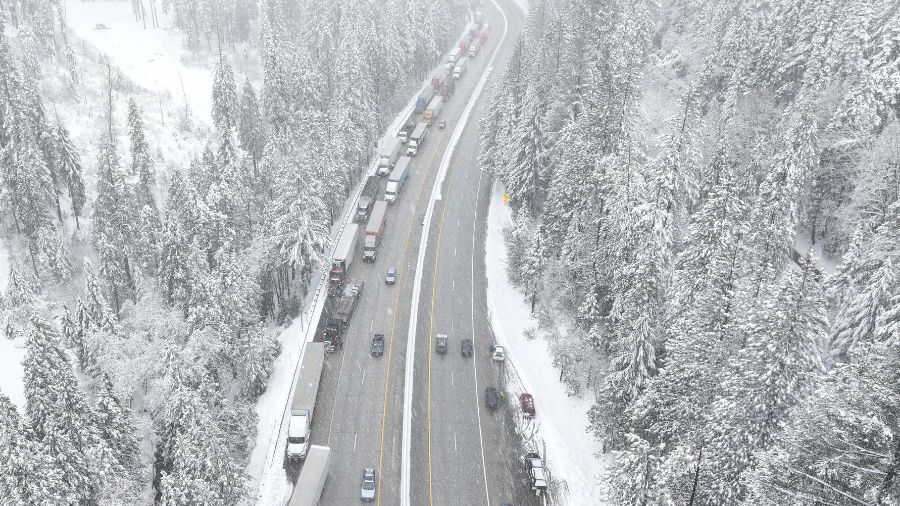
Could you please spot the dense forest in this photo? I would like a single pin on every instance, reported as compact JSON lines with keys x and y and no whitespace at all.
{"x":706,"y":193}
{"x":149,"y":300}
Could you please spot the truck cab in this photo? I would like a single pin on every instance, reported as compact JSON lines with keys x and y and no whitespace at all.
{"x":396,"y":180}
{"x":388,"y":156}
{"x":298,"y":430}
{"x":416,"y":139}
{"x":363,"y":208}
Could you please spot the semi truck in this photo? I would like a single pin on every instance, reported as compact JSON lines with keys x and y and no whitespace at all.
{"x":338,"y":319}
{"x":388,"y":156}
{"x":407,"y":126}
{"x":396,"y":179}
{"x":373,"y":231}
{"x":447,"y":88}
{"x":483,"y":33}
{"x":433,"y":110}
{"x":405,"y":130}
{"x":366,"y":199}
{"x":311,"y":482}
{"x":416,"y":139}
{"x":303,"y":403}
{"x":474,"y":47}
{"x":439,"y":78}
{"x":343,"y":255}
{"x":460,"y":68}
{"x":425,"y":97}
{"x":452,"y":56}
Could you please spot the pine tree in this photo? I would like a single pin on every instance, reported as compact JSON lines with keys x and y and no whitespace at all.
{"x":70,"y":171}
{"x":60,"y":418}
{"x":114,"y":219}
{"x":98,"y":310}
{"x":26,"y":473}
{"x":225,"y":99}
{"x":141,"y":161}
{"x":115,"y":424}
{"x":174,"y":263}
{"x":251,"y":128}
{"x":202,"y":471}
{"x":840,"y":445}
{"x":765,"y":379}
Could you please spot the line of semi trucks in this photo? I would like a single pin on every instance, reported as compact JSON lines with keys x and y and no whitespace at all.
{"x":395,"y":162}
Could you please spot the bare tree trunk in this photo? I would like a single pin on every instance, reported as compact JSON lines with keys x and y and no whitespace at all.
{"x":889,"y":474}
{"x":696,"y":477}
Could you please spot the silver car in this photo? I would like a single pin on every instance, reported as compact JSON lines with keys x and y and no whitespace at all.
{"x":368,"y":485}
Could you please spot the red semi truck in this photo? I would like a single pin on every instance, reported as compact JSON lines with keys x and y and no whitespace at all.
{"x":374,"y":229}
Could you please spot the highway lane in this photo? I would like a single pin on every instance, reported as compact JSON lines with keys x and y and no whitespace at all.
{"x":359,"y":411}
{"x":462,"y":452}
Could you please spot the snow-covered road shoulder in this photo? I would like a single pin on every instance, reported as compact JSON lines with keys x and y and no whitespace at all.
{"x":561,"y":421}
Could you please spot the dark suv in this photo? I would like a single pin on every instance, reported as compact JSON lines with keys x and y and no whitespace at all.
{"x":378,"y":345}
{"x":491,"y":398}
{"x":467,"y":347}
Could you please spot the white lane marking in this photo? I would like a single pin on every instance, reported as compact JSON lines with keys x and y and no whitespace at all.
{"x":371,"y":326}
{"x":363,"y":382}
{"x":355,"y":436}
{"x":454,"y":285}
{"x":452,"y":378}
{"x":454,"y":251}
{"x":454,"y":442}
{"x":409,"y":380}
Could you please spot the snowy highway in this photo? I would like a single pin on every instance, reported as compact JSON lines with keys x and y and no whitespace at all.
{"x":473,"y":457}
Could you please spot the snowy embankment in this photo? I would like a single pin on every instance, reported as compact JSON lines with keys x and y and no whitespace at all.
{"x":561,"y":421}
{"x":150,"y":56}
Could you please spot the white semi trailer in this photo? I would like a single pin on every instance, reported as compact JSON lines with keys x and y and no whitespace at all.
{"x":303,"y":403}
{"x":311,"y":481}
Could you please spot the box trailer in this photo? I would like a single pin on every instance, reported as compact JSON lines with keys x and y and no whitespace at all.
{"x":311,"y":482}
{"x":343,"y":255}
{"x":373,"y":231}
{"x":388,"y":156}
{"x":433,"y":110}
{"x":396,"y":179}
{"x":416,"y":139}
{"x":303,"y":402}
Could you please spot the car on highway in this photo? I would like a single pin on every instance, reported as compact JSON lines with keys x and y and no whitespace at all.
{"x":367,"y":493}
{"x":526,"y":400}
{"x":467,"y":347}
{"x":491,"y":397}
{"x":378,"y":345}
{"x":499,"y":354}
{"x":441,"y":344}
{"x":391,"y":277}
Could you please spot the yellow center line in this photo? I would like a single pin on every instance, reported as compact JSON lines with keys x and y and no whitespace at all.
{"x":437,"y":253}
{"x":398,"y":283}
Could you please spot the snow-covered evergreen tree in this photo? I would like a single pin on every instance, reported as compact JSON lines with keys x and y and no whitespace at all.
{"x":141,"y":161}
{"x":71,"y":172}
{"x":225,"y":109}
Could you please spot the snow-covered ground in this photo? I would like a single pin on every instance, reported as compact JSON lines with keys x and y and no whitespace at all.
{"x":561,"y":420}
{"x":153,"y":57}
